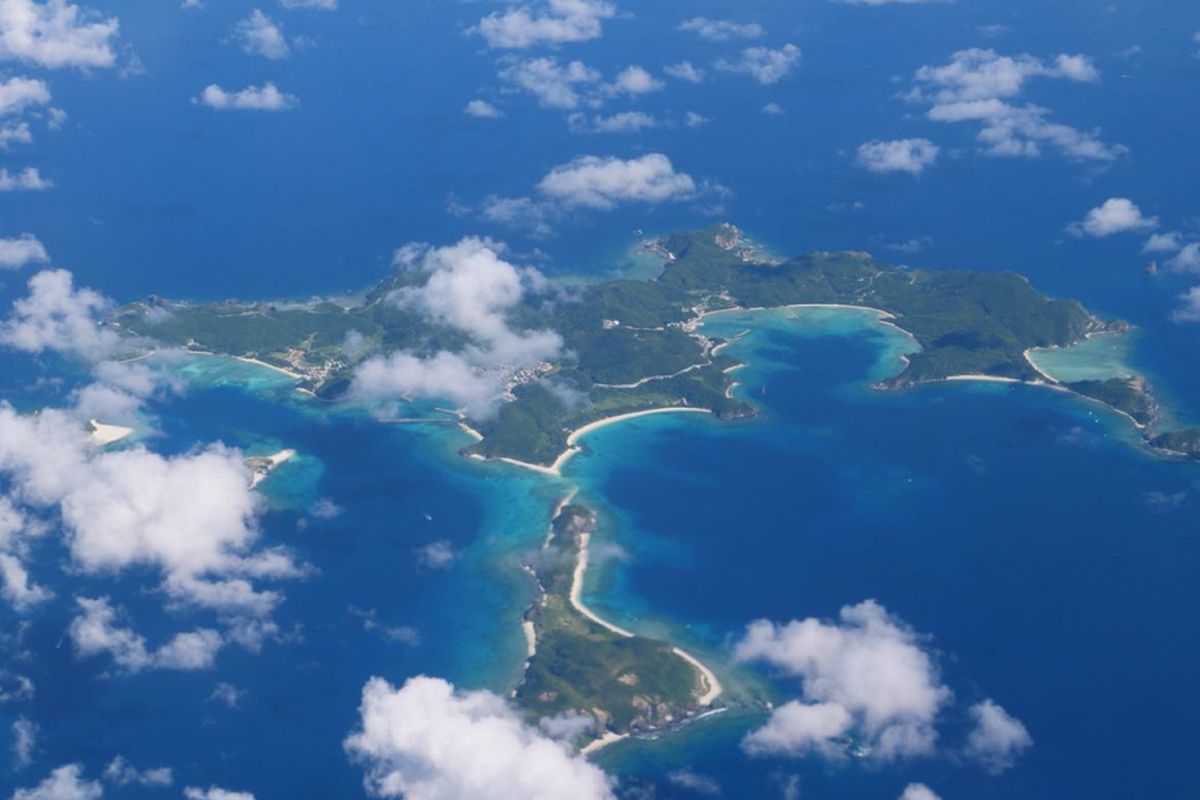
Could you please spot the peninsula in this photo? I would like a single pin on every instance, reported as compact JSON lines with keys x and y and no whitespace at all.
{"x":633,"y":346}
{"x":584,"y":666}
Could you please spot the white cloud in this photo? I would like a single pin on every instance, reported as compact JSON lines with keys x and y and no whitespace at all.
{"x":95,"y":631}
{"x":215,"y":793}
{"x":436,"y":555}
{"x":468,"y":287}
{"x":918,"y":791}
{"x":259,"y":35}
{"x":443,"y":375}
{"x":796,"y":728}
{"x":1187,"y":259}
{"x":694,"y":120}
{"x":427,"y":741}
{"x":603,"y":183}
{"x":774,"y":109}
{"x":901,"y":155}
{"x":482,"y":110}
{"x":64,"y":783}
{"x":22,"y":250}
{"x":685,"y":71}
{"x":25,"y":734}
{"x":635,"y":80}
{"x":554,"y":85}
{"x":55,"y":34}
{"x":869,"y":663}
{"x":550,"y":23}
{"x":1190,"y":310}
{"x":324,"y":5}
{"x":18,"y":94}
{"x":721,"y":30}
{"x":765,"y":65}
{"x":27,"y":180}
{"x":192,"y":517}
{"x":471,"y":288}
{"x":1167,"y":242}
{"x":520,"y":212}
{"x":56,"y":316}
{"x":253,"y":98}
{"x":121,"y":773}
{"x":694,"y":782}
{"x":975,"y":85}
{"x":15,"y":586}
{"x":998,"y":738}
{"x":623,"y":122}
{"x":228,"y":695}
{"x":1115,"y":215}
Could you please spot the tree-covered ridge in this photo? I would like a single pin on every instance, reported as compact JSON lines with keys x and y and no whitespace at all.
{"x":631,"y":345}
{"x":628,"y":684}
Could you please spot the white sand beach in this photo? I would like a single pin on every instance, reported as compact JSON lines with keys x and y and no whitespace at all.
{"x":712,"y":685}
{"x":263,"y":466}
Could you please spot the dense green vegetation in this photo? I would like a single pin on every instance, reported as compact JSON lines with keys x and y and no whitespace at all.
{"x":634,"y":345}
{"x":1185,"y":442}
{"x":1127,"y":395}
{"x":629,"y":684}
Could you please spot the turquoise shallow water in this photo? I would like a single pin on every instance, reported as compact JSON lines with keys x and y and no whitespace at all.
{"x":1026,"y":533}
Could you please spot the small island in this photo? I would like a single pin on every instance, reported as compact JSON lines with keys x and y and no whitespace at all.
{"x":581,"y":665}
{"x":638,"y":346}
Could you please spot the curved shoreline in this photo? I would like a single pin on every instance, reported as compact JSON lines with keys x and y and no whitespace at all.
{"x":713,"y":688}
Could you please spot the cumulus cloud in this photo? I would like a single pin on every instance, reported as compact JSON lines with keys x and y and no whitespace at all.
{"x":267,"y":97}
{"x":18,"y":94}
{"x":482,"y":109}
{"x":15,"y":585}
{"x":215,"y":793}
{"x":324,"y":5}
{"x":27,"y":180}
{"x":56,"y":316}
{"x":765,"y":65}
{"x":635,"y":80}
{"x":998,"y":737}
{"x":622,"y":122}
{"x":64,"y":783}
{"x":1115,"y":215}
{"x":553,"y":84}
{"x":428,"y":741}
{"x":550,"y":23}
{"x":24,"y":733}
{"x":1189,"y":311}
{"x":685,"y":71}
{"x":96,"y":631}
{"x":1167,"y":242}
{"x":55,"y":34}
{"x":259,"y":35}
{"x":436,"y":555}
{"x":976,"y":85}
{"x":721,"y":30}
{"x":17,"y":252}
{"x":121,"y":773}
{"x":191,"y":517}
{"x":470,"y":288}
{"x":796,"y":729}
{"x":868,"y":664}
{"x":694,"y":782}
{"x":604,"y":183}
{"x":1186,"y":260}
{"x":900,"y":155}
{"x":918,"y":791}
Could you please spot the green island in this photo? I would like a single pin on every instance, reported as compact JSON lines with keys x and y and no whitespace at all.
{"x":637,"y":345}
{"x":582,"y":666}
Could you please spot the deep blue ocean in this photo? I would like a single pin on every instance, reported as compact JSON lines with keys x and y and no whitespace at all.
{"x":1009,"y":524}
